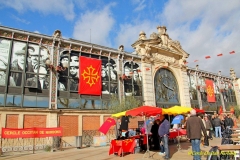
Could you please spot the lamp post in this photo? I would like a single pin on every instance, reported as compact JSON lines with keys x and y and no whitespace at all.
{"x":198,"y":90}
{"x":221,"y":87}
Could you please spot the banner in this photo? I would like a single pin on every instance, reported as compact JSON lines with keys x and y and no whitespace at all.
{"x":210,"y":91}
{"x":31,"y":132}
{"x":106,"y":125}
{"x":90,"y":82}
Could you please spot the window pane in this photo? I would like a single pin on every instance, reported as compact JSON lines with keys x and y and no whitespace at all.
{"x":15,"y":79}
{"x":62,"y":103}
{"x":74,"y":103}
{"x":3,"y":76}
{"x":33,"y":58}
{"x":31,"y":81}
{"x":105,"y":88}
{"x":43,"y":102}
{"x":90,"y":104}
{"x":62,"y":84}
{"x":114,"y":88}
{"x":105,"y":104}
{"x":18,"y":56}
{"x":13,"y":100}
{"x":73,"y":84}
{"x":1,"y":99}
{"x":4,"y":51}
{"x":30,"y":101}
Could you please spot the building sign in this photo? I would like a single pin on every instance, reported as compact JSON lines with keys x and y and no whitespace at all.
{"x":31,"y":132}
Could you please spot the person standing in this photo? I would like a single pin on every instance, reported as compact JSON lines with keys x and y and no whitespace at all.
{"x":163,"y":132}
{"x":195,"y":127}
{"x":154,"y":131}
{"x":208,"y":126}
{"x":217,"y":124}
{"x":228,"y":122}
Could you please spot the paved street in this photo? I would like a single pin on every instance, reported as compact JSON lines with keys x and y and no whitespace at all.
{"x":101,"y":153}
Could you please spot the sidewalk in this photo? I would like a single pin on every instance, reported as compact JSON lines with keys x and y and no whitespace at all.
{"x":101,"y":153}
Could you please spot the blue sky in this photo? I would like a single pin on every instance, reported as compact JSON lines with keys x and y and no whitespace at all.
{"x":203,"y":28}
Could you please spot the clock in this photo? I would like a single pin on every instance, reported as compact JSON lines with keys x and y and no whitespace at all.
{"x":166,"y":88}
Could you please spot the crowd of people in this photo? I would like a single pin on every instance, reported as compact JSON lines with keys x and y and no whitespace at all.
{"x":200,"y":129}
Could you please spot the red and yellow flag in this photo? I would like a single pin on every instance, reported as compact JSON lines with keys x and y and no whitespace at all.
{"x":106,"y":125}
{"x":90,"y":81}
{"x":210,"y":91}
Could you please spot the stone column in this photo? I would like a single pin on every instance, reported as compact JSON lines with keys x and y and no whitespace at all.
{"x":148,"y":84}
{"x":184,"y":89}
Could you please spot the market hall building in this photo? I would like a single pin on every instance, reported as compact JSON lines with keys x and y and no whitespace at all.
{"x":39,"y":84}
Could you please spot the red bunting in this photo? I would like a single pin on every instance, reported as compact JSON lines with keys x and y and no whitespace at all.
{"x":219,"y":54}
{"x":232,"y":52}
{"x":207,"y":57}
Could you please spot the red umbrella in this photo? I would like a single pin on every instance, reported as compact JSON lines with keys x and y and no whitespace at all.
{"x":199,"y":110}
{"x":144,"y":111}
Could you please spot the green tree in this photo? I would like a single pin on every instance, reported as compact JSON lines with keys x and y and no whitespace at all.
{"x":129,"y":102}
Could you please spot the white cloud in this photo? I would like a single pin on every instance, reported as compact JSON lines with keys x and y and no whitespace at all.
{"x":129,"y":33}
{"x":36,"y":31}
{"x":20,"y":19}
{"x":216,"y":32}
{"x":140,"y":4}
{"x":58,"y":7}
{"x":99,"y":22}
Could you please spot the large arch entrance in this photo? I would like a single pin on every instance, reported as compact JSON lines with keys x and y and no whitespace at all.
{"x":166,"y":89}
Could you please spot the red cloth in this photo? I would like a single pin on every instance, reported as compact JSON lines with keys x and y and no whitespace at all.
{"x":90,"y":81}
{"x":174,"y":134}
{"x":210,"y":91}
{"x":120,"y":146}
{"x":106,"y":125}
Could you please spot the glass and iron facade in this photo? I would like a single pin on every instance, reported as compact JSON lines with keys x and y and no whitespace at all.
{"x":27,"y":81}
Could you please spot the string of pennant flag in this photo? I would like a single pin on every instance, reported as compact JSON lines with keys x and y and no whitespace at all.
{"x":218,"y":55}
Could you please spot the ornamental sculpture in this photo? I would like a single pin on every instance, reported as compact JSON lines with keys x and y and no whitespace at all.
{"x":233,"y":74}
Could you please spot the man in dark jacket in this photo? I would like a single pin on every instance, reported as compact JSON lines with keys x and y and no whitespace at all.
{"x":195,"y":127}
{"x":228,"y":122}
{"x":217,"y":124}
{"x":163,"y":132}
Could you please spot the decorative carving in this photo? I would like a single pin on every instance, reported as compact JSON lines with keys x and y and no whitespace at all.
{"x":5,"y":34}
{"x":142,"y":35}
{"x":34,"y":39}
{"x":154,"y":36}
{"x":162,"y":30}
{"x":20,"y":37}
{"x":233,"y":74}
{"x":182,"y":62}
{"x":121,"y":48}
{"x":57,"y":35}
{"x":159,"y":57}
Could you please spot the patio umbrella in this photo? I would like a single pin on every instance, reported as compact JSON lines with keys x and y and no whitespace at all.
{"x":177,"y":110}
{"x":120,"y":114}
{"x":199,"y":110}
{"x":177,"y":119}
{"x":145,"y":111}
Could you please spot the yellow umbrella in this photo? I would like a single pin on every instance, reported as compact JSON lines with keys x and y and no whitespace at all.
{"x":177,"y":110}
{"x":120,"y":114}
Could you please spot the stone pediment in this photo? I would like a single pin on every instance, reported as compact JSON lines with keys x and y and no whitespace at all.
{"x":159,"y":47}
